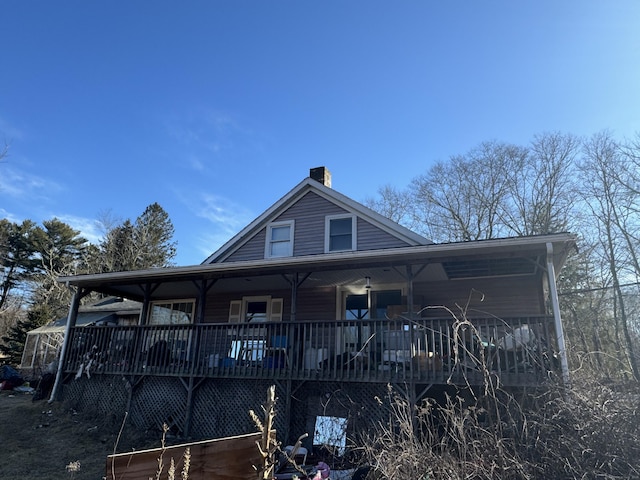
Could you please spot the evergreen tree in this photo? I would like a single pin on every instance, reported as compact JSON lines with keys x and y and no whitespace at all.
{"x":60,"y":249}
{"x":12,"y":344}
{"x":146,"y":244}
{"x":18,"y":259}
{"x":153,"y":236}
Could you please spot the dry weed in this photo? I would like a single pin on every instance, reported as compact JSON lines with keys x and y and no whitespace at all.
{"x":590,"y":430}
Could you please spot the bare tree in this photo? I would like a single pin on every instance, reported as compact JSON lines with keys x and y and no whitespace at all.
{"x":542,"y":192}
{"x":606,"y":174}
{"x":393,"y":203}
{"x":465,"y":198}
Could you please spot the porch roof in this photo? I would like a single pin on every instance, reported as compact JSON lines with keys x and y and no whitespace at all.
{"x":381,"y":266}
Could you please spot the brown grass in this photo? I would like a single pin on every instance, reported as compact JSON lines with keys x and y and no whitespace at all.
{"x":41,"y":440}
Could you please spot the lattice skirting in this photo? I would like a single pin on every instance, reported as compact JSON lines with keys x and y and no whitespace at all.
{"x":363,"y":405}
{"x":104,"y":395}
{"x":220,"y":407}
{"x":157,"y":401}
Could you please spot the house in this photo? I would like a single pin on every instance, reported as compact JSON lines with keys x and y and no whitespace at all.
{"x":42,"y":345}
{"x":328,"y":301}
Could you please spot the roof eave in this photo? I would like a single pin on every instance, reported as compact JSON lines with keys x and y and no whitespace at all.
{"x":428,"y":252}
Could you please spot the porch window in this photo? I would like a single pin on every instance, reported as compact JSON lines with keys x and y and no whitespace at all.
{"x":340,"y":233}
{"x":164,"y":346}
{"x":279,"y":241}
{"x":372,"y":305}
{"x":357,"y":307}
{"x":255,"y":309}
{"x":173,"y":312}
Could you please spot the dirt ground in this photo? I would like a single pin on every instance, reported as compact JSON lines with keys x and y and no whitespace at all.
{"x":41,"y":440}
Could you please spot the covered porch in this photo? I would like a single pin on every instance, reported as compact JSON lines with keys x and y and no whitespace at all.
{"x":460,"y":314}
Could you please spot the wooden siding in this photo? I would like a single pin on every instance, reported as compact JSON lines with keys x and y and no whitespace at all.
{"x":217,"y":307}
{"x":371,"y":237}
{"x":504,"y":296}
{"x":252,"y":250}
{"x":309,"y":214}
{"x":316,"y":304}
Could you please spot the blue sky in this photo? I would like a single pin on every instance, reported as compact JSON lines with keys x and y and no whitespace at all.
{"x":216,"y":109}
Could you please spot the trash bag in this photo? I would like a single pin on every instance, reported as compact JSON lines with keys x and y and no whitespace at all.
{"x":9,"y":378}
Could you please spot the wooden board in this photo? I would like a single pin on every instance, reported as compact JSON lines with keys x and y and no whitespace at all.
{"x":220,"y":459}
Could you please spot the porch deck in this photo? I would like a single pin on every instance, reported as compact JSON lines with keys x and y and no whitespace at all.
{"x":516,"y":351}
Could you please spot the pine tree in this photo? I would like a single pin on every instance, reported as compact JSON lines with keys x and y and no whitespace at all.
{"x":153,"y":236}
{"x":147,"y":243}
{"x":13,"y":342}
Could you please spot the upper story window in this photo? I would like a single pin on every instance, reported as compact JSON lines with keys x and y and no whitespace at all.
{"x":340,"y":233}
{"x":279,"y":240}
{"x":171,"y":312}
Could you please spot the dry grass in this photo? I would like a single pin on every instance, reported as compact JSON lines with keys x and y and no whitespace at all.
{"x":41,"y":440}
{"x":591,"y":432}
{"x":588,"y":431}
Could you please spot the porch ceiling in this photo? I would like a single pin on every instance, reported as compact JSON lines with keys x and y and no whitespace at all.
{"x":468,"y":259}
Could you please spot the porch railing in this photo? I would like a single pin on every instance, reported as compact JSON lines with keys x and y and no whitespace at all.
{"x":517,"y":351}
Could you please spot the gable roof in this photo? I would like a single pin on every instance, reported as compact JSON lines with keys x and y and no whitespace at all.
{"x":102,"y":312}
{"x":295,"y":194}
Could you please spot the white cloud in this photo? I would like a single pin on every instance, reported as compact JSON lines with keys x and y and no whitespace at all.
{"x":9,"y":216}
{"x":89,"y":228}
{"x":224,"y":219}
{"x":222,"y":212}
{"x":20,"y":184}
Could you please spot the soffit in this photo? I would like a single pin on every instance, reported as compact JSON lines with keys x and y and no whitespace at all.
{"x":382,"y":266}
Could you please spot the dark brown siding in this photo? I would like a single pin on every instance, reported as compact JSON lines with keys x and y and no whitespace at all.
{"x":217,"y":309}
{"x":313,"y":304}
{"x":507,"y":296}
{"x":317,"y":304}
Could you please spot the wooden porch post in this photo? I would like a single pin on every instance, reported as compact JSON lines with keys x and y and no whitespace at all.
{"x":410,"y":299}
{"x":71,"y":322}
{"x":294,"y":297}
{"x":555,"y":304}
{"x":295,"y":281}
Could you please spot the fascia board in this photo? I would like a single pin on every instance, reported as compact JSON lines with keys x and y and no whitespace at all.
{"x":428,"y":252}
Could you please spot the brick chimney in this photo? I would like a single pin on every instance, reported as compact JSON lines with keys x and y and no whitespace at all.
{"x":322,"y":175}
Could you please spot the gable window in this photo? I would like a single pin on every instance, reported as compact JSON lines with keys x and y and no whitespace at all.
{"x":279,"y":240}
{"x":340,"y":233}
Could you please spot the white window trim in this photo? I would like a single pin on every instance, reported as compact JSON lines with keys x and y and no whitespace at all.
{"x":354,"y":230}
{"x":268,"y":240}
